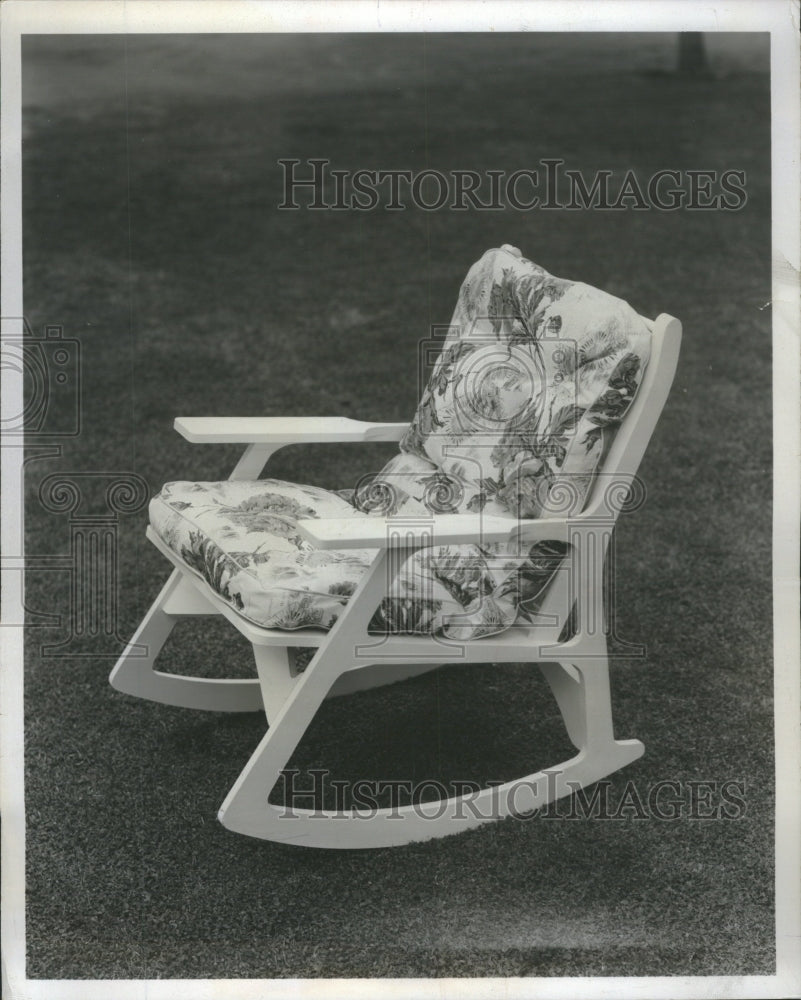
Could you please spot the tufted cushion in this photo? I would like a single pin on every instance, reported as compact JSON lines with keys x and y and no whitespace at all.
{"x":533,"y":378}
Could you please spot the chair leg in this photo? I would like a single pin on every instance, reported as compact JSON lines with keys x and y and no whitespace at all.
{"x":583,"y":694}
{"x":290,"y":711}
{"x":275,"y":677}
{"x":134,"y":673}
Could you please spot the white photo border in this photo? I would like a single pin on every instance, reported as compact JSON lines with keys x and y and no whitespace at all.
{"x":781,"y":19}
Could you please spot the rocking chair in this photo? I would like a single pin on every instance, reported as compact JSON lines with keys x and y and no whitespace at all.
{"x":483,"y":541}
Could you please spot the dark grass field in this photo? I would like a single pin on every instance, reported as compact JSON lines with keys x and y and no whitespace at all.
{"x":152,"y":235}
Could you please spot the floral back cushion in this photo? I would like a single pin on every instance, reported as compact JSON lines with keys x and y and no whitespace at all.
{"x":534,"y":377}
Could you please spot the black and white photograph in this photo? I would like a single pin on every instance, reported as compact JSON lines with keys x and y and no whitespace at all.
{"x":400,"y":436}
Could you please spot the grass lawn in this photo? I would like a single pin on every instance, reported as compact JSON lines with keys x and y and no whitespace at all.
{"x":151,"y":234}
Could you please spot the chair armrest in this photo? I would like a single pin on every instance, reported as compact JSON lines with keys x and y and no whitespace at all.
{"x":369,"y":532}
{"x":284,"y":430}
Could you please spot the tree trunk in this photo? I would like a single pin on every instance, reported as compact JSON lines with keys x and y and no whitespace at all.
{"x":692,"y":54}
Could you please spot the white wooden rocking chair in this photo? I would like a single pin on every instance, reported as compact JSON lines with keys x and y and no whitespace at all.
{"x":349,"y":657}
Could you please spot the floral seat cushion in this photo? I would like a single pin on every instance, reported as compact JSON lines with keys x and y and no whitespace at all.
{"x":241,"y":538}
{"x":533,"y":378}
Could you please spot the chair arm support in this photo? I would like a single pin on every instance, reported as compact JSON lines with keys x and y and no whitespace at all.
{"x":284,"y":430}
{"x":421,"y":531}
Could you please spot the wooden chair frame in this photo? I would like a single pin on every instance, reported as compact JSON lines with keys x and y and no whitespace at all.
{"x":348,"y":658}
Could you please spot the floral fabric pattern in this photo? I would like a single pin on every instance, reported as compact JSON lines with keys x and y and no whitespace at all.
{"x":534,"y":376}
{"x":241,"y":538}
